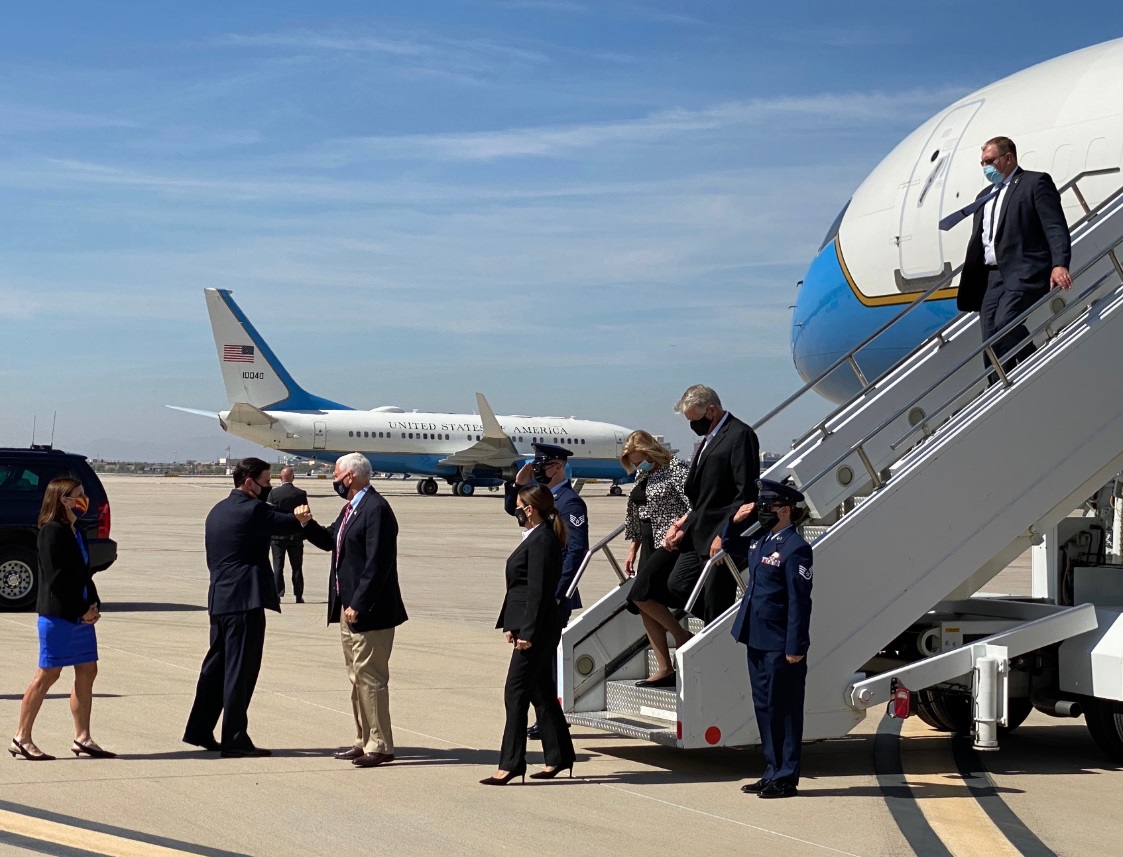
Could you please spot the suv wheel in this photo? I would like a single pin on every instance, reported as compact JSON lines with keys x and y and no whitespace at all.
{"x":17,"y":577}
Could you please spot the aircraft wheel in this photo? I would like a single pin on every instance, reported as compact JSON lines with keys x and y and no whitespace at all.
{"x":615,"y":490}
{"x":467,"y":489}
{"x":1104,"y":719}
{"x":456,"y":488}
{"x":428,"y":487}
{"x":420,"y":483}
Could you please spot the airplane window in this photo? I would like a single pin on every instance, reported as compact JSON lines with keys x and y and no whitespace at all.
{"x":833,"y":231}
{"x":403,"y":435}
{"x":582,"y":440}
{"x":411,"y":435}
{"x":350,"y":434}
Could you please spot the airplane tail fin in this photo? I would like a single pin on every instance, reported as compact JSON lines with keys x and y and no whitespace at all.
{"x":251,"y":371}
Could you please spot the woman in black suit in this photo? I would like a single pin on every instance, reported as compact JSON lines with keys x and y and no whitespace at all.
{"x":68,"y":607}
{"x":532,"y":624}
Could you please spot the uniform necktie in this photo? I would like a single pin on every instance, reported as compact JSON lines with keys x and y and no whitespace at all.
{"x":339,"y":541}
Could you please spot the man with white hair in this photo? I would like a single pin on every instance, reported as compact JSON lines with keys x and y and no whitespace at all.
{"x":364,"y":598}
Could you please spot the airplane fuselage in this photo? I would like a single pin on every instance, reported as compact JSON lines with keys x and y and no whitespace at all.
{"x":414,"y":442}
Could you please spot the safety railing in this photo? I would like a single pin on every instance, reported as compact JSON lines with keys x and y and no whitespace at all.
{"x":602,"y":545}
{"x":850,"y":358}
{"x":719,"y":558}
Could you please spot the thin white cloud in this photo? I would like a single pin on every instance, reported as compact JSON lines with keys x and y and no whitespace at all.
{"x":563,"y":141}
{"x":33,"y":119}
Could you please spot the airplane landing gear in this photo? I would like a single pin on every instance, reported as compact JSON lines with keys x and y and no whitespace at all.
{"x":463,"y":489}
{"x":615,"y":491}
{"x":427,"y":487}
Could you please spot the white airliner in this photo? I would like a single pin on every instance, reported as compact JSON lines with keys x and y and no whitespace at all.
{"x":885,"y":248}
{"x":466,"y":450}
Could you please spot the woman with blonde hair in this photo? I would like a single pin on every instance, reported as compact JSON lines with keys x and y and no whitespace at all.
{"x":656,"y":503}
{"x":532,"y":623}
{"x":68,"y":607}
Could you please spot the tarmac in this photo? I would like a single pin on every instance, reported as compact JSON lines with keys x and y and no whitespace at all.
{"x":888,"y":789}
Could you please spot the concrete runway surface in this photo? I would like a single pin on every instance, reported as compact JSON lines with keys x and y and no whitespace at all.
{"x":883,"y":791}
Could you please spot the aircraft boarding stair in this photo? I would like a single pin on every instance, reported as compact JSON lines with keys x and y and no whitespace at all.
{"x":977,"y":474}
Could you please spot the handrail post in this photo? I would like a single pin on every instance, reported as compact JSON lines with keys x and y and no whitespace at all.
{"x":601,"y":545}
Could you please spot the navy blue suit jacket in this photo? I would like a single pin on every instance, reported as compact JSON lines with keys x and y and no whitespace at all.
{"x":775,"y":614}
{"x":238,"y":531}
{"x":366,"y":567}
{"x":1032,"y":238}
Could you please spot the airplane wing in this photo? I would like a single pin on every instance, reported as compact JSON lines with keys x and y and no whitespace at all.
{"x":494,"y":451}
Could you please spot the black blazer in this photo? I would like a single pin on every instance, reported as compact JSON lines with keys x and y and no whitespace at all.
{"x":1032,"y":238}
{"x":722,"y":480}
{"x":238,"y":531}
{"x":63,"y":574}
{"x":530,"y":606}
{"x":287,"y":497}
{"x":366,"y":567}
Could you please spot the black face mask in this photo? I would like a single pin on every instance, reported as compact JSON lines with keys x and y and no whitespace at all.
{"x":263,"y":494}
{"x":540,"y":475}
{"x":341,"y":489}
{"x":521,"y":517}
{"x":701,"y":426}
{"x":767,"y":518}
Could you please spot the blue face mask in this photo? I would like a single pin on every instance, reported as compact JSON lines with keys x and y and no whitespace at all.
{"x":992,"y":175}
{"x":644,"y":466}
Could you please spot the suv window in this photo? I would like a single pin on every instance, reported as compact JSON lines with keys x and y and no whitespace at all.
{"x":18,"y":479}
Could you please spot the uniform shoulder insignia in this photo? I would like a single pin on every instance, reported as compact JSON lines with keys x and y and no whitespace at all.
{"x":805,"y":572}
{"x":578,"y":520}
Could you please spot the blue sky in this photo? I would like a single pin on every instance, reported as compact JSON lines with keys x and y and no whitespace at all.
{"x":574,"y":207}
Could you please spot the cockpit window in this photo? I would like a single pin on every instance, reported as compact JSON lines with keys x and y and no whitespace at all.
{"x":833,"y":231}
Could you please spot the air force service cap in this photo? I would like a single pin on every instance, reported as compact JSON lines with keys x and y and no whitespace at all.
{"x":778,"y":492}
{"x":544,"y":452}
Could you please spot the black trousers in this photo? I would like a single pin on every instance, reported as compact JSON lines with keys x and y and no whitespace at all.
{"x":1000,"y":307}
{"x":717,"y":595}
{"x":227,"y":679}
{"x":529,"y":682}
{"x":295,"y":550}
{"x":778,"y":691}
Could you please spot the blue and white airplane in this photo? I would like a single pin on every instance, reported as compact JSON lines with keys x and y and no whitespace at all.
{"x":465,"y":450}
{"x":885,"y":248}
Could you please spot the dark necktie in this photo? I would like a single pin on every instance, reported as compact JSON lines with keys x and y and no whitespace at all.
{"x":339,"y":541}
{"x":963,"y":213}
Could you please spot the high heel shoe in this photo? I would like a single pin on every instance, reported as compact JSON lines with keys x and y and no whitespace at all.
{"x":502,"y":781}
{"x":550,"y":774}
{"x":90,"y":750}
{"x":18,"y":749}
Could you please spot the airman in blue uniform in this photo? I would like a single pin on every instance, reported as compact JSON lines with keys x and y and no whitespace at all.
{"x":548,"y":468}
{"x":773,"y":623}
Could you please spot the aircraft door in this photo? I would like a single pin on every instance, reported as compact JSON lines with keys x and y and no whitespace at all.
{"x":319,"y":435}
{"x":920,"y":241}
{"x":619,"y":443}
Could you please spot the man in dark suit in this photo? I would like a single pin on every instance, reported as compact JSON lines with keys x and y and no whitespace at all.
{"x":774,"y":624}
{"x":722,"y":478}
{"x":287,"y":498}
{"x":238,"y":530}
{"x":1019,"y":249}
{"x":364,"y":598}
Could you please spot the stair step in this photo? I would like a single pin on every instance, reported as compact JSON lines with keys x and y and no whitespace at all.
{"x":623,"y":697}
{"x":631,"y":726}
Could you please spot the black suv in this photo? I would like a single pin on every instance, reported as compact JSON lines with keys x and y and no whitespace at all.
{"x":24,"y":474}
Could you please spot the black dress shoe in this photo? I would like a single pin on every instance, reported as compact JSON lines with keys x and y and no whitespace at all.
{"x":666,"y":681}
{"x":534,"y":733}
{"x":754,"y":788}
{"x":778,"y":788}
{"x":348,"y":754}
{"x":299,"y":600}
{"x":373,"y":760}
{"x":207,"y":742}
{"x":249,"y":752}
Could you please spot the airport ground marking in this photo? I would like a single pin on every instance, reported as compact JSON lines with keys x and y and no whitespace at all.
{"x":717,"y":817}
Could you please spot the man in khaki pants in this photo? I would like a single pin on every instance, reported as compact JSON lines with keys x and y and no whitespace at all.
{"x":363,"y":596}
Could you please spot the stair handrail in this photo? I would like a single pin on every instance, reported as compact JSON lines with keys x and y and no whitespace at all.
{"x":723,"y":558}
{"x":601,"y":545}
{"x":849,"y":357}
{"x":996,"y":367}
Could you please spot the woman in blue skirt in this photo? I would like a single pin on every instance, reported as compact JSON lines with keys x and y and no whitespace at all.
{"x":68,"y":607}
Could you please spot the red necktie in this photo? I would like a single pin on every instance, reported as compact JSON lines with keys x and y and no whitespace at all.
{"x":339,"y":542}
